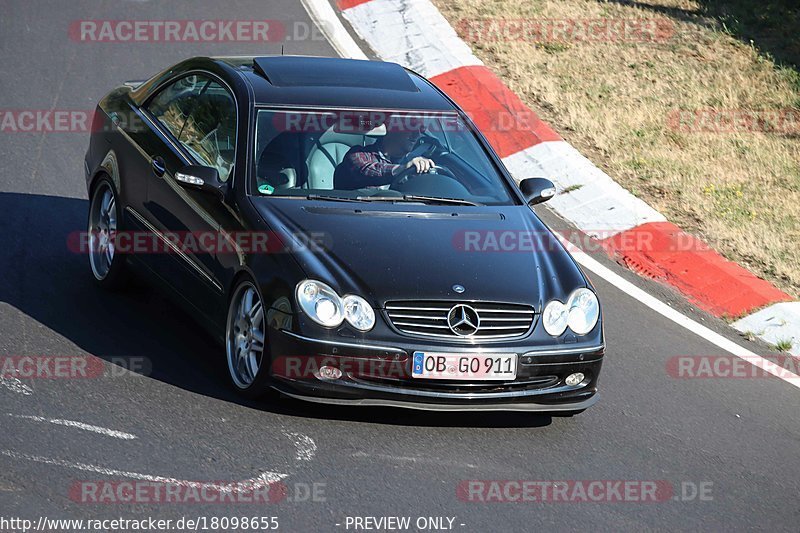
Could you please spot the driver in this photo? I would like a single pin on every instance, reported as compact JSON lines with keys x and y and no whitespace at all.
{"x":378,"y":164}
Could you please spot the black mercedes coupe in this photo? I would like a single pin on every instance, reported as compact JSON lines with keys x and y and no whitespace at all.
{"x":345,"y":232}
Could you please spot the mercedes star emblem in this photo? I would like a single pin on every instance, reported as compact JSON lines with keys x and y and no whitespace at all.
{"x":463,"y":320}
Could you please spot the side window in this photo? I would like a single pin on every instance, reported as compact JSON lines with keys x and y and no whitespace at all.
{"x":201,"y":114}
{"x":210,"y":131}
{"x":174,"y":103}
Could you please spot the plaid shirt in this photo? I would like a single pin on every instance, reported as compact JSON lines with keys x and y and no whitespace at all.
{"x":364,"y":166}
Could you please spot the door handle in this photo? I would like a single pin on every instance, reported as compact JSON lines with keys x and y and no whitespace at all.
{"x":159,"y":166}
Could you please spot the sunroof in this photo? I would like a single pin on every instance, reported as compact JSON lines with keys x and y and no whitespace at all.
{"x":293,"y":71}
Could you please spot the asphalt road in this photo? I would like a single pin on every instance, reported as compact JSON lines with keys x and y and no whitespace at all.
{"x":740,"y":435}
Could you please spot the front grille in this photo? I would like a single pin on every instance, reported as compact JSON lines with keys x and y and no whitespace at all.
{"x":430,"y":319}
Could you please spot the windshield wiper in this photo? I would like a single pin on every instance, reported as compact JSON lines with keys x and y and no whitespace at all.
{"x":313,"y":197}
{"x":418,"y":198}
{"x":404,"y":198}
{"x":333,"y":198}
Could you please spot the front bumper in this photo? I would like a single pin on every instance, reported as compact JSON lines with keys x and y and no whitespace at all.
{"x":380,"y":375}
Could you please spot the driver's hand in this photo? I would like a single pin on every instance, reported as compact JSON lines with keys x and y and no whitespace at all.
{"x":421,"y":164}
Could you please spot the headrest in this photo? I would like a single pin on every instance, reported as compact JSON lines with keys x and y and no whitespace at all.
{"x":332,"y":136}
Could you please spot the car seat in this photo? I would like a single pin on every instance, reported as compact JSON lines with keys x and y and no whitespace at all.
{"x":325,"y":154}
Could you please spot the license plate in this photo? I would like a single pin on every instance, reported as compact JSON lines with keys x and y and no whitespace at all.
{"x":478,"y":367}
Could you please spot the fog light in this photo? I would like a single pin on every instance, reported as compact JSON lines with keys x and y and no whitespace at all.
{"x":572,"y":379}
{"x":329,"y":373}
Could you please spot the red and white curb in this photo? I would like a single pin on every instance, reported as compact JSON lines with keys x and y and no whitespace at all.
{"x":414,"y":34}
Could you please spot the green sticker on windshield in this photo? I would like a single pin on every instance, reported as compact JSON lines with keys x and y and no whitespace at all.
{"x":266,"y":188}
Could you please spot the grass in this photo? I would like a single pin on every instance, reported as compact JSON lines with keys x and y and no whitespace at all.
{"x":749,"y":335}
{"x":571,"y":188}
{"x":783,"y":345}
{"x":739,"y":191}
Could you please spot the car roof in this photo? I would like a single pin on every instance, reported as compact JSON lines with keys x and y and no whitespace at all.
{"x":306,"y":81}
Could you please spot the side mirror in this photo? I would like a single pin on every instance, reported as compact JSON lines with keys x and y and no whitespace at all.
{"x":537,"y":190}
{"x":202,"y":178}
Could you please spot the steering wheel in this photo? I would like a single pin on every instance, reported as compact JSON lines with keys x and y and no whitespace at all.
{"x":436,"y":170}
{"x":423,"y":149}
{"x":443,"y":171}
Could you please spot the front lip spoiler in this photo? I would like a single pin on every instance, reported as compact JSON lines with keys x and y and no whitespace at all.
{"x":360,"y":385}
{"x":376,"y":402}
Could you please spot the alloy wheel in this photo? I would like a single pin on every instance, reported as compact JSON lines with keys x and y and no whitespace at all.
{"x":102,"y":230}
{"x":245,"y":335}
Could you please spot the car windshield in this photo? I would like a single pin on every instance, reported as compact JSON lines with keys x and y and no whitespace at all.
{"x":374,"y":156}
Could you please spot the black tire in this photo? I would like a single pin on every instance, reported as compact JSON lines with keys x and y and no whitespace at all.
{"x":113,"y":273}
{"x":568,"y":414}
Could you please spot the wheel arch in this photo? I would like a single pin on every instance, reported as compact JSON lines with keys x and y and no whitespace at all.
{"x":270,"y":290}
{"x":108,"y":168}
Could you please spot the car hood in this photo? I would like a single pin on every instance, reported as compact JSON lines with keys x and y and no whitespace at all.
{"x":407,"y":251}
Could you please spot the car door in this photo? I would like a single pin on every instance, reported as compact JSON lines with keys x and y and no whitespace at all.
{"x":197,"y":118}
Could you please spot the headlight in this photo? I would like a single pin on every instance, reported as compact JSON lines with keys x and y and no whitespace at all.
{"x":555,"y":318}
{"x":580,"y":313}
{"x":358,"y":312}
{"x":320,"y":303}
{"x":584,"y":310}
